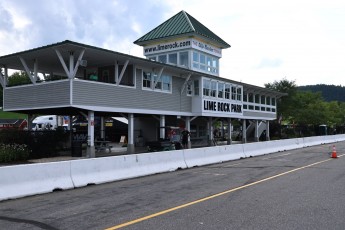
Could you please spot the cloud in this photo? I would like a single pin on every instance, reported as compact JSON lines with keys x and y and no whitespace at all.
{"x":98,"y":23}
{"x":270,"y":63}
{"x":269,"y":39}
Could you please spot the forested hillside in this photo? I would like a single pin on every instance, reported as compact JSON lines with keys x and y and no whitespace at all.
{"x":328,"y":92}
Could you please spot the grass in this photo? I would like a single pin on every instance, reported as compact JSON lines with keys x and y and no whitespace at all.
{"x":10,"y":115}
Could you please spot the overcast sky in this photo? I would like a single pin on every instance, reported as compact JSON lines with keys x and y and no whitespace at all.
{"x":300,"y":40}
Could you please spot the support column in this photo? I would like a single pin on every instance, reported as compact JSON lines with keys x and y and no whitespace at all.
{"x":70,"y":132}
{"x":30,"y":119}
{"x":229,"y":139}
{"x":189,"y":143}
{"x":162,"y":127}
{"x":210,"y":132}
{"x":268,"y":130}
{"x":130,"y":141}
{"x":91,"y":134}
{"x":244,"y":131}
{"x":102,"y":128}
{"x":256,"y":133}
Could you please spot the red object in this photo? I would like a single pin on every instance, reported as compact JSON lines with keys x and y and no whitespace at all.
{"x":334,"y":153}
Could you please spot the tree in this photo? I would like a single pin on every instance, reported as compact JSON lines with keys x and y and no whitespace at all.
{"x":1,"y":97}
{"x":286,"y":104}
{"x":18,"y":78}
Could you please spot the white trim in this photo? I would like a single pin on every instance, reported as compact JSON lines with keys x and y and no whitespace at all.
{"x":129,"y":110}
{"x":62,"y":62}
{"x":190,"y":23}
{"x":71,"y":91}
{"x":122,"y":73}
{"x":41,"y":83}
{"x":27,"y":70}
{"x":159,"y":75}
{"x":74,"y":72}
{"x":105,"y":83}
{"x":33,"y":108}
{"x":185,"y":83}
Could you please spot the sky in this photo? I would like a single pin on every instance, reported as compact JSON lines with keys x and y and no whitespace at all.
{"x":297,"y":40}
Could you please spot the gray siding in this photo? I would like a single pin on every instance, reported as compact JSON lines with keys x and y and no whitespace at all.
{"x":251,"y":114}
{"x":37,"y":96}
{"x":107,"y":95}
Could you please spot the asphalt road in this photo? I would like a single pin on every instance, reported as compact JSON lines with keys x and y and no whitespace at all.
{"x":299,"y":189}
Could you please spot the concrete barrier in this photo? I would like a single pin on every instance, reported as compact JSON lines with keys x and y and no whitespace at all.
{"x":284,"y":145}
{"x":201,"y":156}
{"x":107,"y":169}
{"x":231,"y":152}
{"x":25,"y":180}
{"x":311,"y":141}
{"x":213,"y":155}
{"x":255,"y":149}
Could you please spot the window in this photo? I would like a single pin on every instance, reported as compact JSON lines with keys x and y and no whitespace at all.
{"x":128,"y":75}
{"x":273,"y":101}
{"x":245,"y":97}
{"x":157,"y":81}
{"x":220,"y":90}
{"x":208,"y":59}
{"x":189,"y":88}
{"x":162,"y":84}
{"x":250,"y":98}
{"x":166,"y":80}
{"x":147,"y":80}
{"x":263,"y":99}
{"x":184,"y":59}
{"x":214,"y":65}
{"x":173,"y":58}
{"x":162,"y":58}
{"x":196,"y":60}
{"x":257,"y":98}
{"x":202,"y":62}
{"x":233,"y":92}
{"x":196,"y":87}
{"x":227,"y":91}
{"x":239,"y":93}
{"x":213,"y":89}
{"x":268,"y":100}
{"x":206,"y":87}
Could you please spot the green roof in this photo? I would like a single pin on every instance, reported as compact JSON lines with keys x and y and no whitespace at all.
{"x":181,"y":24}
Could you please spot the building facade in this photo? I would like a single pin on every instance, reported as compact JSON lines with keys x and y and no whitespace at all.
{"x":178,"y":84}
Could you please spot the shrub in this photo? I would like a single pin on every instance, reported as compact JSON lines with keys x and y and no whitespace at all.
{"x":13,"y":152}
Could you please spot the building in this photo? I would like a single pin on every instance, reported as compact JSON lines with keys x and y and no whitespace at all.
{"x":178,"y":84}
{"x":20,"y":124}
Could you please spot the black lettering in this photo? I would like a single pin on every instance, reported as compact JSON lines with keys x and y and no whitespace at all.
{"x":214,"y":106}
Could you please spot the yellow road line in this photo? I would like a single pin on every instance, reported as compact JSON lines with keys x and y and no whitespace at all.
{"x":213,"y":196}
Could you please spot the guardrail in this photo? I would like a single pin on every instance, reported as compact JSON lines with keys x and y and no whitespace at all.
{"x":25,"y":180}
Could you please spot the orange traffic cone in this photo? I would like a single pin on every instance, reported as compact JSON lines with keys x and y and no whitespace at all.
{"x":334,"y":153}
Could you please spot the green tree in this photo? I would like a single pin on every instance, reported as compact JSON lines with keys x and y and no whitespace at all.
{"x":1,"y":97}
{"x":18,"y":78}
{"x":285,"y":104}
{"x":309,"y":109}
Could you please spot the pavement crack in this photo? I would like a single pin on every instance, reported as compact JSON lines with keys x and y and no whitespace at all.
{"x":32,"y":222}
